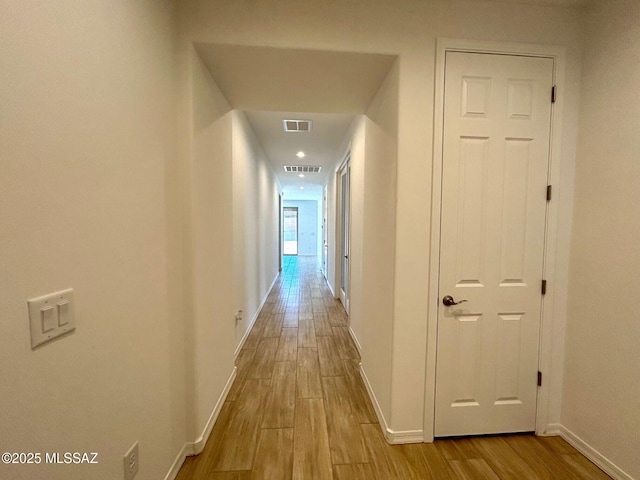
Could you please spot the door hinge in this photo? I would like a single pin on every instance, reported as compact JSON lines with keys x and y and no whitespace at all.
{"x":539,"y":379}
{"x":544,"y":287}
{"x":548,"y":193}
{"x":553,"y":94}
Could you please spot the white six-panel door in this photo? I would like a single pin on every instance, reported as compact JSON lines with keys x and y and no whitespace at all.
{"x":495,"y":163}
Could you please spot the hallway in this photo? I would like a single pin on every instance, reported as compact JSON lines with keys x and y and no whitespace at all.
{"x":299,"y":409}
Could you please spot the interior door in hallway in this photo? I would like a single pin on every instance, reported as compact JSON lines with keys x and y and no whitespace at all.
{"x":495,"y":165}
{"x":325,"y":244}
{"x":345,"y":232}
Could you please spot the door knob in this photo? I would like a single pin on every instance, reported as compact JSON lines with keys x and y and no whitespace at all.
{"x":449,"y":301}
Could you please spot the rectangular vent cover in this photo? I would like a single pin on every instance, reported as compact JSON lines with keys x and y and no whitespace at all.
{"x":297,"y":125}
{"x":302,"y":169}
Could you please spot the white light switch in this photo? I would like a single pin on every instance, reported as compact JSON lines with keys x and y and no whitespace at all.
{"x":63,"y":313}
{"x":51,"y":316}
{"x":47,"y":319}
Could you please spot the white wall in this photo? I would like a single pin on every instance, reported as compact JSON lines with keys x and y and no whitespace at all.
{"x":85,"y":139}
{"x":602,"y":371}
{"x":371,"y":141}
{"x":211,"y":332}
{"x":255,"y":223}
{"x":376,"y":325}
{"x":229,"y":222}
{"x":307,"y":225}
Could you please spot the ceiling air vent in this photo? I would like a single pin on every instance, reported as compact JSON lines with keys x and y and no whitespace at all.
{"x":297,"y":125}
{"x":302,"y":169}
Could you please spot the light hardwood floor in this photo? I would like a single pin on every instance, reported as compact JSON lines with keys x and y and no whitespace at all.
{"x":299,"y":410}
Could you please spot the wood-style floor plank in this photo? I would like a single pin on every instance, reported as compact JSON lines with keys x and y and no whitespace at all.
{"x":254,"y":338}
{"x":243,"y":475}
{"x":545,"y":462}
{"x":359,"y":471}
{"x":330,"y":361}
{"x":243,"y":361}
{"x":387,"y":459}
{"x":305,"y":311}
{"x":308,"y":374}
{"x":473,"y":469}
{"x":280,"y":306}
{"x":458,"y":449}
{"x":583,"y":467}
{"x":345,"y":437}
{"x":557,"y":445}
{"x":287,"y":345}
{"x":329,"y":301}
{"x":337,"y":315}
{"x":264,"y":315}
{"x":238,"y":444}
{"x":273,"y":325}
{"x":264,"y":358}
{"x":274,"y":456}
{"x":503,"y":460}
{"x":322,"y":325}
{"x":281,"y":399}
{"x":306,"y":334}
{"x":311,"y":457}
{"x":362,"y":406}
{"x":290,"y":318}
{"x":319,"y":308}
{"x":343,"y":339}
{"x":427,"y":461}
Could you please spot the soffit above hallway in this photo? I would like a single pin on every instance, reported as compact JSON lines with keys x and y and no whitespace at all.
{"x":295,"y":80}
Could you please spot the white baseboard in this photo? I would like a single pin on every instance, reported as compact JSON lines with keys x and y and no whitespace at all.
{"x":355,"y":340}
{"x":179,"y":461}
{"x":552,"y":430}
{"x":592,"y":454}
{"x":331,"y":289}
{"x":196,"y":447}
{"x":255,"y":316}
{"x":404,"y":436}
{"x":201,"y":441}
{"x":391,"y":436}
{"x":376,"y":406}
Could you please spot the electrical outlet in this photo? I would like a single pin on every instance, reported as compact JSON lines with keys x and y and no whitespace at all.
{"x":131,"y":462}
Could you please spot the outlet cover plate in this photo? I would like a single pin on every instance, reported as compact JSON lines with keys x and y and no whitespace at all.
{"x":131,"y":462}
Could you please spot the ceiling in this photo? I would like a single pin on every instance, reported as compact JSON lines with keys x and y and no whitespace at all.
{"x":272,"y":84}
{"x":320,"y":145}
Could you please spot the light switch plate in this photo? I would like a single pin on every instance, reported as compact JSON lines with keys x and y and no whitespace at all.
{"x":50,"y":316}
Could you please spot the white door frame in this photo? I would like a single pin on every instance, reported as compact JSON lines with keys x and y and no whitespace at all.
{"x":551,"y":313}
{"x":280,"y":231}
{"x":339,"y":233}
{"x":325,"y":233}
